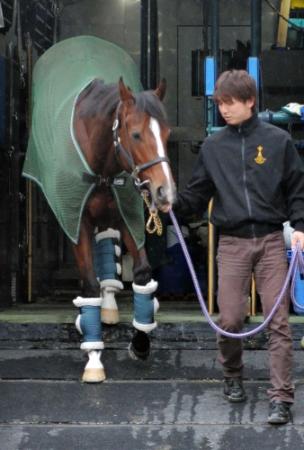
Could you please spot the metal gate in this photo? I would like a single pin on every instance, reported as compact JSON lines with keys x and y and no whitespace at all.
{"x":28,"y":231}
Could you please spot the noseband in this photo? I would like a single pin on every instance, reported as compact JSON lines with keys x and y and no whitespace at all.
{"x":120,"y":150}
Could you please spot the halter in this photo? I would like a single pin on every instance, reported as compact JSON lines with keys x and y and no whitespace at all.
{"x":120,"y":150}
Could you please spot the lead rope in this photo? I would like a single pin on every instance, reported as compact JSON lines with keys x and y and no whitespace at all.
{"x":154,"y":224}
{"x":296,"y":263}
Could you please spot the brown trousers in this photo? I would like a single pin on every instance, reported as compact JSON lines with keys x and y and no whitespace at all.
{"x":237,"y":259}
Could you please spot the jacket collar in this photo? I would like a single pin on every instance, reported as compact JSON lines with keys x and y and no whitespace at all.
{"x":247,"y":126}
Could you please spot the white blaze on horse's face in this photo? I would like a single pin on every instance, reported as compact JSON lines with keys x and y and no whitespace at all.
{"x":169,"y":189}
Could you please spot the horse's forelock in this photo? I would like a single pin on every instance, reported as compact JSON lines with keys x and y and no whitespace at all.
{"x":102,"y":99}
{"x":99,"y":98}
{"x":148,"y":102}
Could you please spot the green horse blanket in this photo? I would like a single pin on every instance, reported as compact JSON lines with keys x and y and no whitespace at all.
{"x":54,"y":159}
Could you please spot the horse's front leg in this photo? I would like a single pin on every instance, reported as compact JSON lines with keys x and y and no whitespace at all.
{"x":107,"y":252}
{"x":88,"y":321}
{"x":145,"y":304}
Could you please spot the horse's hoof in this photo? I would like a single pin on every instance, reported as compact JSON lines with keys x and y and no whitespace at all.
{"x":132,"y":353}
{"x":135,"y":355}
{"x":302,"y":342}
{"x":139,"y":347}
{"x":109,"y":316}
{"x":93,"y":375}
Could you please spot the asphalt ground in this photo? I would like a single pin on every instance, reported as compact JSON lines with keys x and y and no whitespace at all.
{"x":172,"y":401}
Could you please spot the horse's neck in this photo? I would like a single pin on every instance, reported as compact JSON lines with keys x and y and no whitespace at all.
{"x":95,"y":138}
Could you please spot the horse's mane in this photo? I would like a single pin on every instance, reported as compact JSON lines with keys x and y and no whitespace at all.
{"x":102,"y":99}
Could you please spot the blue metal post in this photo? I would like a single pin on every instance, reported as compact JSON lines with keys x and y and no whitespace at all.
{"x":210,"y":78}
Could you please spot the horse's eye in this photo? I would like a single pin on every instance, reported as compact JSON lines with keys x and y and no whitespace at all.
{"x":136,"y":136}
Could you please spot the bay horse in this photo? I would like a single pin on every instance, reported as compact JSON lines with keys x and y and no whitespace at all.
{"x":118,"y":130}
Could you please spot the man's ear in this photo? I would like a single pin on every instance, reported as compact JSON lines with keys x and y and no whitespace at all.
{"x":251,"y":102}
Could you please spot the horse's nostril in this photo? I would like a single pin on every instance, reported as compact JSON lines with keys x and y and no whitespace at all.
{"x":161,"y":193}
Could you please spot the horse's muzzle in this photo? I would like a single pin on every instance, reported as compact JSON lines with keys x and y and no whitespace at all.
{"x":164,"y":198}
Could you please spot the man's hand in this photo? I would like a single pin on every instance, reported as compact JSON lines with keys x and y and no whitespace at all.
{"x":297,"y":238}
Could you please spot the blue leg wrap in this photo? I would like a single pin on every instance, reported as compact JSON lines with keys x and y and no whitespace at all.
{"x":145,"y":305}
{"x":88,"y":323}
{"x":106,"y":254}
{"x":143,"y":308}
{"x":105,"y":259}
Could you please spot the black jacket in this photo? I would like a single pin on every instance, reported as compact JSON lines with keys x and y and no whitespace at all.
{"x":255,"y":176}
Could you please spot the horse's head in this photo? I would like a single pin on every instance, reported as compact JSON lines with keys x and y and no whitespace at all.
{"x":140,"y":135}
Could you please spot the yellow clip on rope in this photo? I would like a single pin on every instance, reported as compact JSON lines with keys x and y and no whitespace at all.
{"x":154,"y":223}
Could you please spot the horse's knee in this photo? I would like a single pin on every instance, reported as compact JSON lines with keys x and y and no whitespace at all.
{"x":90,"y":288}
{"x":142,"y":274}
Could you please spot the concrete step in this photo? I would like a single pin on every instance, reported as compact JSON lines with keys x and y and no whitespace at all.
{"x":178,"y":322}
{"x":148,"y":403}
{"x":172,"y":401}
{"x":186,"y":436}
{"x":139,"y":415}
{"x":163,"y":364}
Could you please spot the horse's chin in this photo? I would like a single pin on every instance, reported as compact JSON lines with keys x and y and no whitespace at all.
{"x":165,"y":208}
{"x":163,"y":198}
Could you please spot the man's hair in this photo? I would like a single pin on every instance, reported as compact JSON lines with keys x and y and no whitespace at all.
{"x":235,"y":84}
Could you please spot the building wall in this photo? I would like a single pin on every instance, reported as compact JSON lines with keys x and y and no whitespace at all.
{"x":180,"y":31}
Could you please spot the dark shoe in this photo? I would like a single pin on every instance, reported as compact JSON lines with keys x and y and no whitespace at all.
{"x":278,"y":412}
{"x":234,"y":391}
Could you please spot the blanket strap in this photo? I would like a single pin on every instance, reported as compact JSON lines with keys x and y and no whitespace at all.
{"x":97,"y":179}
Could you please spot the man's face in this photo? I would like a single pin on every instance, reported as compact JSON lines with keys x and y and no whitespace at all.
{"x":236,"y":112}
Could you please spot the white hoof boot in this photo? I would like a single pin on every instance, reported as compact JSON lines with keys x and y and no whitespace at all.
{"x":109,"y":309}
{"x":94,"y":370}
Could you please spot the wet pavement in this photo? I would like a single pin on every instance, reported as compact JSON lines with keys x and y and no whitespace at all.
{"x":173,"y":401}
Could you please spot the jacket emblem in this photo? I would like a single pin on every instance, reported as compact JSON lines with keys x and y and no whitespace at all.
{"x":259,"y":159}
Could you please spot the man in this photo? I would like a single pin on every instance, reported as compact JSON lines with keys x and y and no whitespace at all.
{"x":256,"y":179}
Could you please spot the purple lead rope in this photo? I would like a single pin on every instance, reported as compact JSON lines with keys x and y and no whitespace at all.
{"x":296,"y":263}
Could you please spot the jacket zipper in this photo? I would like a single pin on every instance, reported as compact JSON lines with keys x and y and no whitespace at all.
{"x":245,"y":183}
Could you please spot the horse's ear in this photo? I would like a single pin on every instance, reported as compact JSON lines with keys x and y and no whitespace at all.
{"x":125,"y":92}
{"x":160,"y":91}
